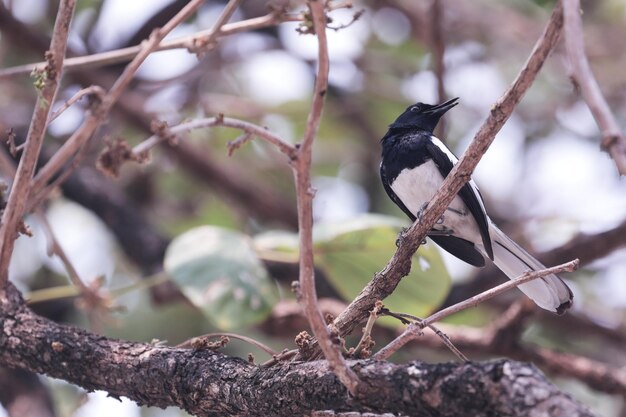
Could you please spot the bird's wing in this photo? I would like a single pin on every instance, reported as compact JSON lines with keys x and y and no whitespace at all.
{"x":461,"y":248}
{"x":445,"y":161}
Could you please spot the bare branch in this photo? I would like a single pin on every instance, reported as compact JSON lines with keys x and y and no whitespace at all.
{"x":503,"y":339}
{"x":94,"y":89}
{"x":209,"y":384}
{"x":20,"y":191}
{"x":438,"y":49}
{"x":416,"y":334}
{"x":477,"y":299}
{"x":613,"y":139}
{"x":399,"y":266}
{"x":192,"y":342}
{"x":55,"y":248}
{"x":285,"y":147}
{"x":126,"y":54}
{"x":414,"y":329}
{"x":365,"y":341}
{"x":233,"y":145}
{"x":304,"y":192}
{"x":321,"y":82}
{"x":97,"y":117}
{"x":208,"y":42}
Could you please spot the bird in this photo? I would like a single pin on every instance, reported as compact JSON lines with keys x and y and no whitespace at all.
{"x":413,"y":166}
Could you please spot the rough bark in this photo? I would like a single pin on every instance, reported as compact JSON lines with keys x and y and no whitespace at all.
{"x":208,"y":383}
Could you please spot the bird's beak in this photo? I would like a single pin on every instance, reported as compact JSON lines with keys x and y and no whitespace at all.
{"x":440,"y":109}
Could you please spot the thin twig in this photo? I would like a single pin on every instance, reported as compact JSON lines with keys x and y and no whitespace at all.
{"x":399,"y":266}
{"x":282,"y":356}
{"x":304,"y":192}
{"x":54,"y":248}
{"x":448,"y":343}
{"x":208,"y":42}
{"x":409,"y":333}
{"x":285,"y":147}
{"x":127,"y":54}
{"x":233,"y":145}
{"x":412,"y":332}
{"x":444,"y":337}
{"x":91,"y":300}
{"x":190,"y":342}
{"x":96,"y":118}
{"x":477,"y":299}
{"x":94,"y":89}
{"x":438,"y":50}
{"x":613,"y":139}
{"x":38,"y":196}
{"x":367,"y":330}
{"x":21,"y":185}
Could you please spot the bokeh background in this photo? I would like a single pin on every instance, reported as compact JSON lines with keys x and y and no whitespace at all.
{"x":545,"y":179}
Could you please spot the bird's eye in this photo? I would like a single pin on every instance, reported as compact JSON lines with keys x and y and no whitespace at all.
{"x":415,"y":109}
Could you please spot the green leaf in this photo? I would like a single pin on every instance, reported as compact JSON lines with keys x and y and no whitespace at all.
{"x":220,"y":273}
{"x":277,"y":246}
{"x":352,"y":252}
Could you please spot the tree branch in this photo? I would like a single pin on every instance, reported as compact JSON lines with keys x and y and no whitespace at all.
{"x":96,"y":117}
{"x":20,"y":190}
{"x":503,"y":339}
{"x":410,"y":333}
{"x":94,"y":89}
{"x":477,"y":299}
{"x":613,"y":139}
{"x":437,"y":46}
{"x":127,"y":54}
{"x":304,"y":192}
{"x":285,"y":147}
{"x":208,"y":383}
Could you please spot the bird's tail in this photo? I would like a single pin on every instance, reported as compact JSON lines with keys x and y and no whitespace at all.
{"x":549,"y":292}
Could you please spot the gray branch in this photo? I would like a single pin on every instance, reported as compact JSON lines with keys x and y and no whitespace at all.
{"x":209,"y":383}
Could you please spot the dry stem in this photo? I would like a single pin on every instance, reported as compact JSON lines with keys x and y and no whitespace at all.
{"x":126,"y":54}
{"x":191,"y":342}
{"x":302,"y":172}
{"x":21,"y":185}
{"x":285,"y":147}
{"x":613,"y":139}
{"x":97,"y":117}
{"x":411,"y":333}
{"x":94,"y":89}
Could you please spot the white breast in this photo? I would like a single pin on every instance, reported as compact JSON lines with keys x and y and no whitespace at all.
{"x":417,"y":186}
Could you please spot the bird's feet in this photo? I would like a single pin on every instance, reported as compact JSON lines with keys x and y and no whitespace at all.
{"x":401,"y":236}
{"x":420,"y":214}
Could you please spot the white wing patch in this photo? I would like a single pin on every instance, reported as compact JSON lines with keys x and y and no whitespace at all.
{"x":443,"y":148}
{"x":438,"y":143}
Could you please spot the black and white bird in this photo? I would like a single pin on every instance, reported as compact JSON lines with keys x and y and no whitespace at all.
{"x":415,"y":163}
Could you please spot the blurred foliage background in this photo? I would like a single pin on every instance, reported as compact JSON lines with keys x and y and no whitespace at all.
{"x":225,"y":226}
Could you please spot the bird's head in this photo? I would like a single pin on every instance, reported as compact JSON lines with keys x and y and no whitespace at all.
{"x":423,"y":116}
